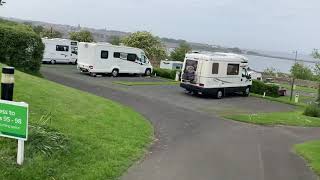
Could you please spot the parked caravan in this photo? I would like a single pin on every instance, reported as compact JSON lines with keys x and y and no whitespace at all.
{"x":172,"y":65}
{"x":216,"y":74}
{"x":255,"y":75}
{"x":104,"y":58}
{"x":60,"y":51}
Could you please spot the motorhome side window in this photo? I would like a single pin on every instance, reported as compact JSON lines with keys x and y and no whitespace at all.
{"x":132,"y":57}
{"x":116,"y":55}
{"x":215,"y":68}
{"x":233,"y":69}
{"x":62,"y":48}
{"x":104,"y":54}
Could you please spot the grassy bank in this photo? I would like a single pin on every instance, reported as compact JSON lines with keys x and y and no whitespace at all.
{"x":294,"y":118}
{"x":88,"y":137}
{"x":311,"y":152}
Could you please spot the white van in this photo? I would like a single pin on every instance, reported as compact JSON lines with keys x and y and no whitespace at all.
{"x":172,"y":65}
{"x":104,"y":58}
{"x":216,"y":74}
{"x":60,"y":51}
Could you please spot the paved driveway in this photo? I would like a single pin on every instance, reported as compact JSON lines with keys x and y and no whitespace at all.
{"x":192,"y":143}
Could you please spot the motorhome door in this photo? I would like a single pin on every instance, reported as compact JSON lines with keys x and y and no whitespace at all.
{"x":62,"y":53}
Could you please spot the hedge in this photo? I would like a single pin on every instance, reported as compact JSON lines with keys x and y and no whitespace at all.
{"x":20,"y":47}
{"x":165,"y":73}
{"x":259,"y":87}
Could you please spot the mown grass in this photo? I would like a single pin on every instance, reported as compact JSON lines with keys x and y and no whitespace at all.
{"x":128,"y":83}
{"x":293,"y":118}
{"x":285,"y":99}
{"x":103,"y":137}
{"x":311,"y":152}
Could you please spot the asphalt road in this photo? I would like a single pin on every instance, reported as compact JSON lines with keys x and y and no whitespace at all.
{"x":192,"y":143}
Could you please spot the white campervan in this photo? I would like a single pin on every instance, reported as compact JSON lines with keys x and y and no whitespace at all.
{"x":172,"y":65}
{"x":216,"y":74}
{"x":104,"y":58}
{"x":60,"y":51}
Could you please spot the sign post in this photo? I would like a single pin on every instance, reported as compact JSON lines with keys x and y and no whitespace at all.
{"x":13,"y":115}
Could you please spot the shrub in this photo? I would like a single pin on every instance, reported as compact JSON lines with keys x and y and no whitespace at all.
{"x":20,"y":47}
{"x":312,"y":110}
{"x":259,"y":87}
{"x":165,"y":73}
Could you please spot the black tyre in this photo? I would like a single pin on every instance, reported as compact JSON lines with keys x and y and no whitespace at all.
{"x":53,"y":61}
{"x":219,"y":94}
{"x":115,"y":73}
{"x":93,"y":74}
{"x":148,"y":72}
{"x":246,"y":92}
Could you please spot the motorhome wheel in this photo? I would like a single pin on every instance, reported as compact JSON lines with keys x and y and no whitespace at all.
{"x":219,"y":94}
{"x":53,"y":61}
{"x":93,"y":74}
{"x":115,"y":73}
{"x":148,"y":72}
{"x":246,"y":91}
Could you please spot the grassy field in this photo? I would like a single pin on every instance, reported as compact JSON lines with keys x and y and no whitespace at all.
{"x":128,"y":83}
{"x":73,"y":134}
{"x":311,"y":152}
{"x":294,"y":118}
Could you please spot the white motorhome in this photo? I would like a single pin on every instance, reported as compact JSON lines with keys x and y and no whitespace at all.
{"x":60,"y":51}
{"x":216,"y":74}
{"x":172,"y":65}
{"x":104,"y":58}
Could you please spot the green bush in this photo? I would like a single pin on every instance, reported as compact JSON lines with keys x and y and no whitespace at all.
{"x":312,"y":110}
{"x":165,"y":73}
{"x":259,"y":87}
{"x":20,"y":47}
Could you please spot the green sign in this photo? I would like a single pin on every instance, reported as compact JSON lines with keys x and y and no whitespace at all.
{"x":14,"y":119}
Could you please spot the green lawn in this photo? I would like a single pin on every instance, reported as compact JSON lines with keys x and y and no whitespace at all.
{"x":285,"y":99}
{"x":96,"y":138}
{"x":311,"y":152}
{"x":294,"y":118}
{"x":129,"y":83}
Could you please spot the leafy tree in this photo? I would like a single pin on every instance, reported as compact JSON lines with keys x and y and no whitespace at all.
{"x":38,"y":29}
{"x":115,"y":40}
{"x":300,"y":71}
{"x":50,"y":33}
{"x":316,"y":54}
{"x":152,"y":45}
{"x":180,"y":52}
{"x":270,"y":71}
{"x":81,"y":36}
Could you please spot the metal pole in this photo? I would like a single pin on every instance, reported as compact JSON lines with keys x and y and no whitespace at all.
{"x":293,"y":78}
{"x":7,"y":83}
{"x":7,"y":86}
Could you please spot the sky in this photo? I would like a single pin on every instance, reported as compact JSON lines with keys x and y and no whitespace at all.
{"x":274,"y":25}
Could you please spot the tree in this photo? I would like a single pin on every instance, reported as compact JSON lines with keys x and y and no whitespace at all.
{"x":50,"y":33}
{"x":180,"y":52}
{"x":300,"y":71}
{"x":81,"y":36}
{"x":38,"y":29}
{"x":151,"y":45}
{"x":115,"y":40}
{"x":316,"y":54}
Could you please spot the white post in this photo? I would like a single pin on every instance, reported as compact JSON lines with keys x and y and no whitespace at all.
{"x":177,"y":76}
{"x":296,"y":99}
{"x":264,"y":94}
{"x":20,"y":154}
